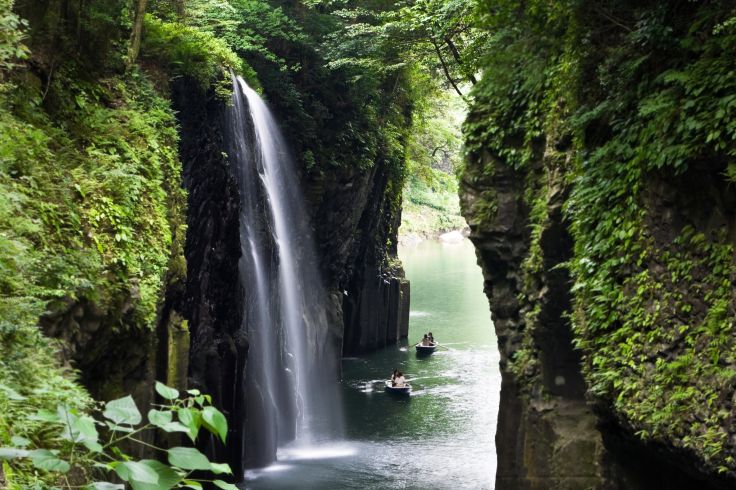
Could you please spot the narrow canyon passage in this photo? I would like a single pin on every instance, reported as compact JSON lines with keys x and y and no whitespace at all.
{"x":442,"y":436}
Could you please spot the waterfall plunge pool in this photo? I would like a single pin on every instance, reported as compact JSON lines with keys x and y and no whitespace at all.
{"x":443,"y":435}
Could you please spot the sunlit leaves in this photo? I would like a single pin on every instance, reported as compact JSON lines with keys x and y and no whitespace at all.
{"x":166,"y":392}
{"x":188,"y":458}
{"x":84,"y":449}
{"x":123,"y":411}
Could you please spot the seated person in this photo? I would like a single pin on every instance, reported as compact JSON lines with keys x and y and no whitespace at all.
{"x":400,"y":381}
{"x":393,"y":377}
{"x":425,"y":341}
{"x":431,"y":337}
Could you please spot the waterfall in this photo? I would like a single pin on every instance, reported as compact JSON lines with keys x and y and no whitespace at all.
{"x":291,"y":380}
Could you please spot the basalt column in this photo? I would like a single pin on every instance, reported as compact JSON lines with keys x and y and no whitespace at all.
{"x":546,"y":435}
{"x":213,"y":296}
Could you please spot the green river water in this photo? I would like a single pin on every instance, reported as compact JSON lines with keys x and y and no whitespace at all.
{"x":440,"y":437}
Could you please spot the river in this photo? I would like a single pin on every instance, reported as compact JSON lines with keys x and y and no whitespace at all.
{"x":442,"y":436}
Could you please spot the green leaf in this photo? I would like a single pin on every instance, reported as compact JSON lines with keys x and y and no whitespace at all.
{"x":192,"y":484}
{"x":160,"y":418}
{"x":224,"y":485}
{"x":93,"y":446}
{"x":80,"y":429}
{"x":43,"y":459}
{"x":134,"y":471}
{"x":215,"y":422}
{"x":19,"y":441}
{"x":12,"y":452}
{"x":11,"y":394}
{"x":123,"y":411}
{"x":188,"y":458}
{"x":192,"y":419}
{"x":103,"y":485}
{"x":166,"y":392}
{"x":163,"y":420}
{"x":167,"y":477}
{"x":219,"y":468}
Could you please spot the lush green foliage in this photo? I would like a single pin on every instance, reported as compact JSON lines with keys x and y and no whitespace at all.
{"x":433,"y":152}
{"x":81,"y":456}
{"x":182,"y":50}
{"x":432,"y":207}
{"x":639,"y":97}
{"x":90,"y":211}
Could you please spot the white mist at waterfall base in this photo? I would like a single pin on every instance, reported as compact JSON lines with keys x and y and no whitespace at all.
{"x":291,"y":377}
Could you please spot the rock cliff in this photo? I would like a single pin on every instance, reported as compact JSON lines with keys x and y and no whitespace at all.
{"x":603,"y":220}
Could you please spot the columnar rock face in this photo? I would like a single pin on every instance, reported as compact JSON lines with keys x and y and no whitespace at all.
{"x":357,"y":215}
{"x":552,"y":431}
{"x":212,"y":301}
{"x":546,"y":434}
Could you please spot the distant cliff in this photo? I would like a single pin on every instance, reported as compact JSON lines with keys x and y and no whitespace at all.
{"x":599,"y":188}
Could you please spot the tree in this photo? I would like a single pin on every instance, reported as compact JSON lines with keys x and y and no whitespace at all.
{"x":135,"y":35}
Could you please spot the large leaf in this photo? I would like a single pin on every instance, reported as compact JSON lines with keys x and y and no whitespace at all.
{"x":167,"y":477}
{"x":224,"y":485}
{"x":46,"y":416}
{"x":215,"y":422}
{"x":135,"y":471}
{"x":80,"y":429}
{"x":123,"y":411}
{"x":188,"y":458}
{"x":43,"y":459}
{"x":12,"y":452}
{"x":159,"y":418}
{"x":19,"y":441}
{"x":192,"y":419}
{"x":219,"y":468}
{"x":163,"y":420}
{"x":166,"y":392}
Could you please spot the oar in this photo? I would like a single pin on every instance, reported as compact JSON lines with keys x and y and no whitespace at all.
{"x":440,"y":345}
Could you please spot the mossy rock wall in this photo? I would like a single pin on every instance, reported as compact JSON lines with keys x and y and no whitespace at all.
{"x":599,"y":190}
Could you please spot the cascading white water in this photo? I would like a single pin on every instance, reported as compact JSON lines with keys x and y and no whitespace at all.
{"x":290,"y":391}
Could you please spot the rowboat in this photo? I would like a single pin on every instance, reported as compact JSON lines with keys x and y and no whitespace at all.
{"x":404,"y":390}
{"x":425,"y":350}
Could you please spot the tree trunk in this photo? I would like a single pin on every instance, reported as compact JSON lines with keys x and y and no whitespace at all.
{"x":135,"y":35}
{"x":180,"y":10}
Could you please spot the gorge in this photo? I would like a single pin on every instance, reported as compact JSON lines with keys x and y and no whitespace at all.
{"x":208,"y":193}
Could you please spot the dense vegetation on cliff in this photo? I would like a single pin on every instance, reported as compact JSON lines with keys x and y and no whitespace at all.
{"x":625,"y":113}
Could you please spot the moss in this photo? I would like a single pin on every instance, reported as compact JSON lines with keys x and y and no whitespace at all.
{"x":639,"y":110}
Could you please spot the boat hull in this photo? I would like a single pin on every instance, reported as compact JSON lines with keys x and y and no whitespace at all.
{"x":425,"y":350}
{"x":403,"y":391}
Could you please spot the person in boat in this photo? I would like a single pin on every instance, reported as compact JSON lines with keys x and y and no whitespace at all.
{"x":425,"y":341}
{"x":400,"y":380}
{"x":393,"y":377}
{"x":431,"y":338}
